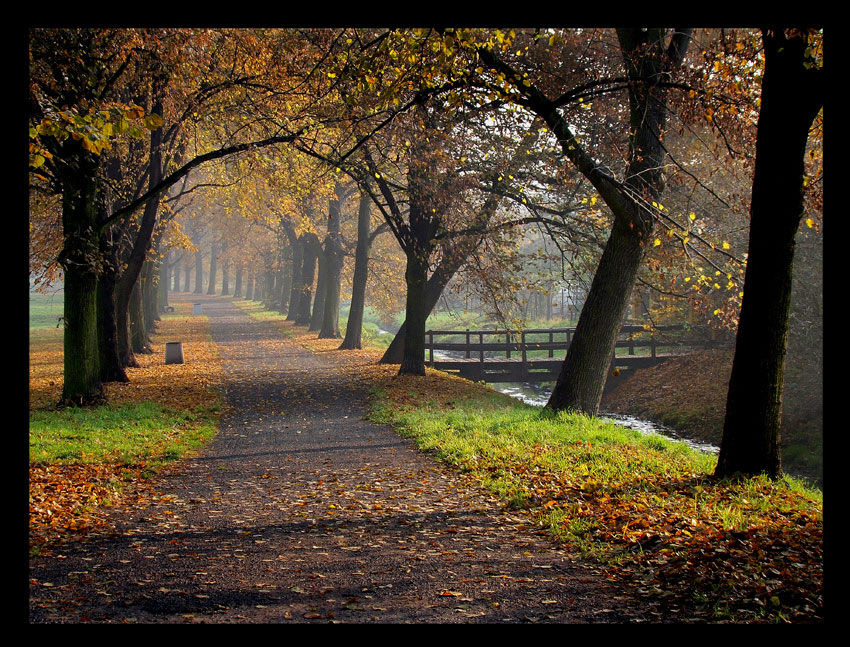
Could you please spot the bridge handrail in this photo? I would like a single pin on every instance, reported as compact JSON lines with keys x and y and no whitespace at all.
{"x":516,"y":340}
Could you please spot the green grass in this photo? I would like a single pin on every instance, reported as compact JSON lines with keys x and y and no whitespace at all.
{"x":45,"y":310}
{"x":138,"y":434}
{"x":642,"y":505}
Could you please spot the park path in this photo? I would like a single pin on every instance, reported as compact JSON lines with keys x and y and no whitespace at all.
{"x":300,"y":510}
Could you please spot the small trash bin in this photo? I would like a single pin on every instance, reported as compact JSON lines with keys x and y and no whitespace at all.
{"x":174,"y":352}
{"x":197,"y":309}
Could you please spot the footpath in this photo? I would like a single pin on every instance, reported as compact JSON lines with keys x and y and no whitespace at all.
{"x":300,"y":510}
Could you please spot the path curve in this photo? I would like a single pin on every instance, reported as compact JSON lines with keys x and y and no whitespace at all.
{"x":300,"y":510}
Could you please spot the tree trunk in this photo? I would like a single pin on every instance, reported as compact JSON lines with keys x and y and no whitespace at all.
{"x":321,"y":288}
{"x":199,"y":273}
{"x":333,"y":263}
{"x":790,"y":100}
{"x":249,"y":288}
{"x":585,"y":369}
{"x":297,"y":261}
{"x":582,"y":377}
{"x":213,"y":269}
{"x":354,"y":326}
{"x":308,"y":274}
{"x":225,"y":271}
{"x":237,"y":291}
{"x":130,"y":276}
{"x":138,"y":325}
{"x":187,"y":274}
{"x":111,"y":368}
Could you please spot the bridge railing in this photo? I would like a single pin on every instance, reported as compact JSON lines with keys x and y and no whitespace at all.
{"x":471,"y":343}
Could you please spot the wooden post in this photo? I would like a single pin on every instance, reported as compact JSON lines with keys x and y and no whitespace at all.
{"x":481,"y":346}
{"x":508,"y":336}
{"x":522,"y":348}
{"x":431,"y":347}
{"x":551,"y":341}
{"x":467,"y":343}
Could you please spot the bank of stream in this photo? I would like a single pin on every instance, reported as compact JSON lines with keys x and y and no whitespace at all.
{"x":538,"y":395}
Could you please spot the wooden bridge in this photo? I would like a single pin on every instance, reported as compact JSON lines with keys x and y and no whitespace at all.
{"x":536,"y":355}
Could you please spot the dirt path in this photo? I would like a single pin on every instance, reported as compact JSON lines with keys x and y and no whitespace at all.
{"x":302,"y":511}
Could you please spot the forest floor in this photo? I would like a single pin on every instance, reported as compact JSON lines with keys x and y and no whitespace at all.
{"x":301,"y":510}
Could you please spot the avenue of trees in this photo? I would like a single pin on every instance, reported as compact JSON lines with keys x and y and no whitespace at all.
{"x":312,"y":168}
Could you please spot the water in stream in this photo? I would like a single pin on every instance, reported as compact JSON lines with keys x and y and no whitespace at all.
{"x":538,"y":395}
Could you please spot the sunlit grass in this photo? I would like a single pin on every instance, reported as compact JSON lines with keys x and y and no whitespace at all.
{"x":632,"y":501}
{"x":85,"y":459}
{"x":144,"y":433}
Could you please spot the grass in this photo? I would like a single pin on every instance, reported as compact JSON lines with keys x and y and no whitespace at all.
{"x":85,"y":460}
{"x":648,"y":508}
{"x":45,"y":310}
{"x":144,"y":433}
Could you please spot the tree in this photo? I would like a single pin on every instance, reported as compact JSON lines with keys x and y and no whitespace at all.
{"x":791,"y":98}
{"x":650,"y":57}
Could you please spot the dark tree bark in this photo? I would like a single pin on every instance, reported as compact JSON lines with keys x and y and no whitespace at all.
{"x":297,"y":262}
{"x":138,"y":325}
{"x":582,"y":378}
{"x":111,"y":368}
{"x":354,"y":326}
{"x":129,"y":339}
{"x":792,"y":95}
{"x":333,"y":264}
{"x":308,"y":274}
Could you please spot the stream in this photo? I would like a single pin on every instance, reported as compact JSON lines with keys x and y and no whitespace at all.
{"x":538,"y":394}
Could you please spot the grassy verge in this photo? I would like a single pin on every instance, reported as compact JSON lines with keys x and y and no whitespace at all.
{"x":84,"y":461}
{"x":647,"y":508}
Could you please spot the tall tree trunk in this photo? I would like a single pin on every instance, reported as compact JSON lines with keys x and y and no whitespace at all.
{"x":130,"y":276}
{"x":138,"y":325}
{"x":308,"y":274}
{"x":585,"y":369}
{"x":237,"y":291}
{"x":82,"y":383}
{"x":187,"y":282}
{"x":792,"y":95}
{"x":354,"y":326}
{"x":249,"y":287}
{"x":111,"y":368}
{"x":321,"y":288}
{"x":225,"y":273}
{"x":164,"y":284}
{"x":333,"y":263}
{"x":213,"y":269}
{"x":416,"y":278}
{"x":285,"y":280}
{"x":199,"y":273}
{"x":579,"y":385}
{"x":297,"y":262}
